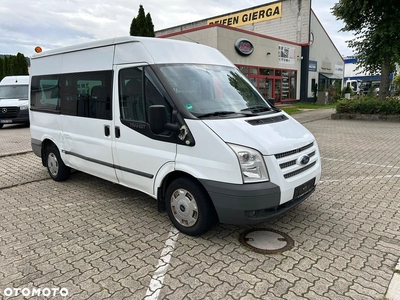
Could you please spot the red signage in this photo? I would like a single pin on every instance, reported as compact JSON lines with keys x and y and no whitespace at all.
{"x":244,"y":47}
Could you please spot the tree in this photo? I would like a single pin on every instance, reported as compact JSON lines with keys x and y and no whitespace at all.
{"x":21,"y":65}
{"x":13,"y":65}
{"x":149,"y":26}
{"x":142,"y":25}
{"x":377,"y":35}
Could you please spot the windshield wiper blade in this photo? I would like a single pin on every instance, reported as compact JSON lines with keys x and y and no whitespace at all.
{"x":258,"y":108}
{"x":217,"y":113}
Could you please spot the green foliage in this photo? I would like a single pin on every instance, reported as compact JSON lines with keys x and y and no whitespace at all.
{"x":335,"y":92}
{"x":396,"y":80}
{"x":13,"y":65}
{"x":376,"y":43}
{"x":369,"y":105}
{"x":142,"y":25}
{"x":149,"y":26}
{"x":347,"y":90}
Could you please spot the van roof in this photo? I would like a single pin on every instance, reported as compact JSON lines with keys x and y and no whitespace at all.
{"x":88,"y":45}
{"x":159,"y":50}
{"x":15,"y":80}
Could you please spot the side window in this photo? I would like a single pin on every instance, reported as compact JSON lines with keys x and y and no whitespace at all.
{"x":87,"y":94}
{"x":45,"y":93}
{"x":137,"y":92}
{"x":154,"y":97}
{"x":131,"y":94}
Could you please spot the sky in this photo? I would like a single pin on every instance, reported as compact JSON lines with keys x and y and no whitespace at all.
{"x":51,"y":24}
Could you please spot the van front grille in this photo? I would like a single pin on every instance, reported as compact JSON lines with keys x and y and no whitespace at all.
{"x":8,"y":111}
{"x":298,"y":171}
{"x":288,"y":153}
{"x":293,"y":162}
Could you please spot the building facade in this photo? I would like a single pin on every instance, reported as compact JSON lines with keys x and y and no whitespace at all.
{"x":280,"y":46}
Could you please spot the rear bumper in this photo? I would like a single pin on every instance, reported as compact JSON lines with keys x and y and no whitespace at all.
{"x":249,"y":203}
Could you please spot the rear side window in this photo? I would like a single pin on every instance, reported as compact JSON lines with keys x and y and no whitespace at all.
{"x":85,"y":94}
{"x":45,"y":93}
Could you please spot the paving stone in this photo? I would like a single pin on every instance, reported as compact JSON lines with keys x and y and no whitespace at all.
{"x":104,"y":241}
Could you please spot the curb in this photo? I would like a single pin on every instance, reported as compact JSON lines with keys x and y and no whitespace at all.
{"x":387,"y":118}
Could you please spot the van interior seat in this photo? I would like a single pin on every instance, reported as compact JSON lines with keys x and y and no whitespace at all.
{"x":100,"y":102}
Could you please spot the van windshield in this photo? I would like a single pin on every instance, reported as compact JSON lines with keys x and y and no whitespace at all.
{"x":14,"y":92}
{"x":208,"y":90}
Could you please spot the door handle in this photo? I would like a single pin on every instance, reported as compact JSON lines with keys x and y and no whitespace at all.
{"x":117,"y":132}
{"x":106,"y":130}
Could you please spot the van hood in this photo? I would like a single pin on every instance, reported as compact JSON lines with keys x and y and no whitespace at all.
{"x":261,"y":133}
{"x":13,"y":102}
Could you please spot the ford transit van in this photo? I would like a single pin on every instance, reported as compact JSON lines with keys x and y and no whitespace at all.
{"x":175,"y":120}
{"x":14,"y":100}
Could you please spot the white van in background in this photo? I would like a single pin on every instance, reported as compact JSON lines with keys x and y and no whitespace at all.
{"x":356,"y":86}
{"x":14,"y":100}
{"x":175,"y":120}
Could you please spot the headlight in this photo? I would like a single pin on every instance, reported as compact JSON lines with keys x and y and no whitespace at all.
{"x":25,"y":107}
{"x":251,"y":163}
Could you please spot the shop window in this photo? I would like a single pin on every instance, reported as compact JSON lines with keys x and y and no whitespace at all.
{"x":253,"y":71}
{"x":266,"y":72}
{"x":278,"y":73}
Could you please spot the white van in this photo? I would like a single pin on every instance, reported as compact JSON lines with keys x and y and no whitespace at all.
{"x":175,"y":120}
{"x":14,"y":100}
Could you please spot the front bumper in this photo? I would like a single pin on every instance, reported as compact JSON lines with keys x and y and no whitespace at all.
{"x":241,"y":204}
{"x":21,"y":118}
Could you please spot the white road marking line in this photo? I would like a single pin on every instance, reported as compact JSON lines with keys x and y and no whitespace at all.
{"x":156,"y":282}
{"x":393,"y":292}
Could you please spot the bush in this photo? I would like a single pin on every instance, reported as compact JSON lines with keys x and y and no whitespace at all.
{"x":369,"y":104}
{"x":347,"y":90}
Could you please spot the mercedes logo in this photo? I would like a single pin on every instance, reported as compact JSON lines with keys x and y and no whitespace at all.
{"x":4,"y":110}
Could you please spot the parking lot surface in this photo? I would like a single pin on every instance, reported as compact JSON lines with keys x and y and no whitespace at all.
{"x":99,"y":240}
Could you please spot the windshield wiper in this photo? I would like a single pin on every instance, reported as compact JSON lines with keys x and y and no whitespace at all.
{"x":257,"y":108}
{"x":217,"y":113}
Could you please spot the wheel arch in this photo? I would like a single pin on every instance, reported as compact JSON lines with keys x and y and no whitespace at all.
{"x":45,"y":144}
{"x":170,"y":177}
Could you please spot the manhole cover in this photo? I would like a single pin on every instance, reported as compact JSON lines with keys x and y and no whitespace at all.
{"x":266,"y":240}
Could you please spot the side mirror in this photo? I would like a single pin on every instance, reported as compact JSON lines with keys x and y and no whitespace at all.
{"x":158,"y":120}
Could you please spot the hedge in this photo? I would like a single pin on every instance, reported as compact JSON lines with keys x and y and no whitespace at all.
{"x":369,"y":105}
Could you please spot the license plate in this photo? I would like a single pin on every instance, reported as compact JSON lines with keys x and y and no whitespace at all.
{"x":5,"y":121}
{"x":304,"y":188}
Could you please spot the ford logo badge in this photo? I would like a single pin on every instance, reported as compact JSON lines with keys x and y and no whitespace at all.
{"x":304,"y":159}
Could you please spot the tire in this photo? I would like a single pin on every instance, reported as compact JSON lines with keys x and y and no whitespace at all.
{"x":1,"y":126}
{"x":58,"y":171}
{"x":189,"y":207}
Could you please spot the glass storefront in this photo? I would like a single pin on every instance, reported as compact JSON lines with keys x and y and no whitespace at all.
{"x":279,"y":85}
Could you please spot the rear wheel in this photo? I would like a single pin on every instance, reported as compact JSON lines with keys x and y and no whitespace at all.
{"x":189,"y":207}
{"x":56,"y":167}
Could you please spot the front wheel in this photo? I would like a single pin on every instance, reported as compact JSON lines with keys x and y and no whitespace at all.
{"x":56,"y":167}
{"x":189,"y":207}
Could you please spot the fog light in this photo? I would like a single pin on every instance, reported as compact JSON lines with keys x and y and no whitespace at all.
{"x":251,"y":213}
